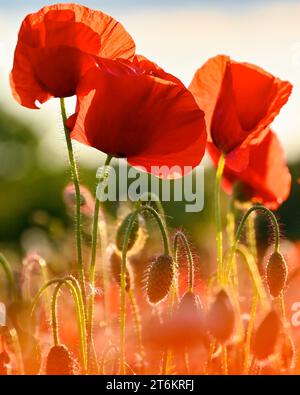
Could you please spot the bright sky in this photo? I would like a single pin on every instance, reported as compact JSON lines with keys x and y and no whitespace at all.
{"x":180,"y":35}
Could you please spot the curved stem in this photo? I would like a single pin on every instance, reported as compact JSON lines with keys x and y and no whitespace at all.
{"x":152,"y":197}
{"x":12,"y":285}
{"x":90,"y":315}
{"x":75,"y":177}
{"x":76,"y":292}
{"x":181,"y":236}
{"x":251,"y":236}
{"x":218,"y":218}
{"x":271,"y":216}
{"x":133,"y":218}
{"x":105,"y":353}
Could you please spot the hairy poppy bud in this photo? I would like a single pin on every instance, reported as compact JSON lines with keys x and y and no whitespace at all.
{"x":266,"y":336}
{"x":59,"y":361}
{"x":122,"y":229}
{"x":189,"y":304}
{"x":277,"y":272}
{"x":160,"y":278}
{"x":115,"y":267}
{"x":220,"y":317}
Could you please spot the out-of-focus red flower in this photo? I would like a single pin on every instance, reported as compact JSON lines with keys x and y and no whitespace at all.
{"x":266,"y":180}
{"x":240,"y":101}
{"x":139,"y":112}
{"x":57,"y":45}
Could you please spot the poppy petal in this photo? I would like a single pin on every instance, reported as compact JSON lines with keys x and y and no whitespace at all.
{"x":267,"y":177}
{"x":57,"y":45}
{"x":143,"y":118}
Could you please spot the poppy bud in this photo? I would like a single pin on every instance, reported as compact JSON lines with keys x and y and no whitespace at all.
{"x":87,"y":202}
{"x":115,"y":266}
{"x":266,"y":336}
{"x":277,"y":272}
{"x":122,"y":229}
{"x":189,"y":304}
{"x":160,"y":278}
{"x":59,"y":362}
{"x":220,"y":317}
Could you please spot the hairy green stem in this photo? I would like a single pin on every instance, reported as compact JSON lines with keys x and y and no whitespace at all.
{"x":90,"y":315}
{"x":180,"y":236}
{"x":218,"y":218}
{"x":138,"y":327}
{"x":255,"y":298}
{"x":75,"y":177}
{"x":162,"y":228}
{"x":271,"y":216}
{"x":76,"y":293}
{"x":12,"y":285}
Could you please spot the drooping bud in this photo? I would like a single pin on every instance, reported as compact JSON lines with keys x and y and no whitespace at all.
{"x":277,"y":272}
{"x":266,"y":336}
{"x":221,"y":318}
{"x":121,"y":232}
{"x":115,"y":267}
{"x":160,"y":278}
{"x":59,"y":361}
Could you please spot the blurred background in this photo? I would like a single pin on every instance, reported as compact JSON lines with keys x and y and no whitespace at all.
{"x":180,"y":35}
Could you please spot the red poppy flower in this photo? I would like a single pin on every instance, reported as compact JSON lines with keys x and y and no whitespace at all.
{"x":57,"y":45}
{"x":266,"y":180}
{"x":240,"y":101}
{"x":152,"y":121}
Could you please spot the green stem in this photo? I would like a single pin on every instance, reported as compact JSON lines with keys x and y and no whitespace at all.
{"x":250,"y":330}
{"x":218,"y":218}
{"x":163,"y":231}
{"x":12,"y":285}
{"x":224,"y":360}
{"x":75,"y":177}
{"x":104,"y":355}
{"x":251,"y":236}
{"x":230,"y":234}
{"x":54,"y":324}
{"x":76,"y":292}
{"x":271,"y":216}
{"x":90,"y":316}
{"x":138,"y":326}
{"x":181,"y":236}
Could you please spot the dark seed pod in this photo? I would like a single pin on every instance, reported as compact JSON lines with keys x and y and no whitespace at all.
{"x":266,"y":336}
{"x":134,"y":234}
{"x":115,"y":267}
{"x":277,"y":272}
{"x":220,"y":317}
{"x":59,"y":362}
{"x":160,"y":278}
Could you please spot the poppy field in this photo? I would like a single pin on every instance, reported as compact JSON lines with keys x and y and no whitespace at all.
{"x":132,"y":293}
